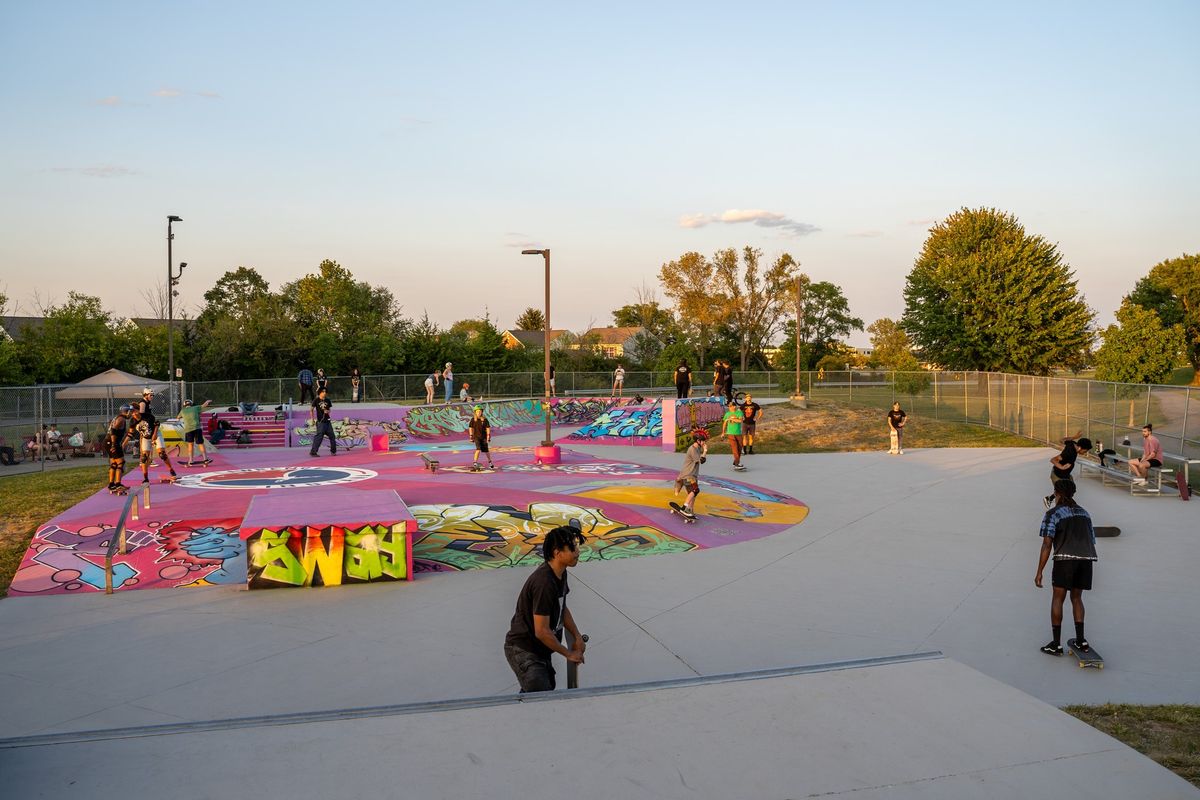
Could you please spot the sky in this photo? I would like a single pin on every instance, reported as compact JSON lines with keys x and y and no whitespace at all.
{"x":423,"y":146}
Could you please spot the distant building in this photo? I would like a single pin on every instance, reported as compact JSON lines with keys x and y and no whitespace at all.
{"x":534,"y":340}
{"x":15,"y":328}
{"x":610,"y":342}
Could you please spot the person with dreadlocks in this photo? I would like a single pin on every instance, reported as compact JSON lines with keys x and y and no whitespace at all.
{"x":114,"y":446}
{"x":537,"y":625}
{"x":150,"y":438}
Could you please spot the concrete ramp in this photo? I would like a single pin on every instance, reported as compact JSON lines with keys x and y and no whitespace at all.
{"x":906,"y":727}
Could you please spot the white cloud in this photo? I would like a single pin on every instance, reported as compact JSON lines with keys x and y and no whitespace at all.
{"x":166,"y":92}
{"x":210,"y":95}
{"x":757,"y":217}
{"x":111,"y":100}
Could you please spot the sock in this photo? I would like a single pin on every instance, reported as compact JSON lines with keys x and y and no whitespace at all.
{"x":1079,"y":637}
{"x":1057,"y":633}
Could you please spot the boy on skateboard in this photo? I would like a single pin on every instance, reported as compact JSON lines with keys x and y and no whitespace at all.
{"x":689,"y":477}
{"x":150,"y":438}
{"x":192,"y":435}
{"x":1067,"y":533}
{"x":481,"y":436}
{"x":731,"y":429}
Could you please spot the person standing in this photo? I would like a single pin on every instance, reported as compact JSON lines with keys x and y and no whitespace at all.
{"x":355,"y":385}
{"x":430,"y":382}
{"x":480,"y":431}
{"x":683,"y":380}
{"x":448,"y":381}
{"x":727,"y":380}
{"x":323,"y":424}
{"x":535,"y":632}
{"x":553,"y":393}
{"x":1151,"y":455}
{"x":1062,"y":464}
{"x":305,"y":381}
{"x":718,"y":379}
{"x":114,"y":447}
{"x":751,"y":411}
{"x":192,"y":435}
{"x":145,"y":426}
{"x":688,"y":478}
{"x":1066,"y":532}
{"x":322,"y":382}
{"x":731,"y":429}
{"x":896,"y":419}
{"x":618,"y":387}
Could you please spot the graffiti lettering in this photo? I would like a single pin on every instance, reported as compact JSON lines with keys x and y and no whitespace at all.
{"x":328,"y":556}
{"x":624,"y":423}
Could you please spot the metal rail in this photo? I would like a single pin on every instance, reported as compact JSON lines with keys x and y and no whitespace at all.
{"x":117,"y":542}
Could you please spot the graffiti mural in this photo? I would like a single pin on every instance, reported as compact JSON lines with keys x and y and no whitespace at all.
{"x":351,"y":433}
{"x":430,"y":422}
{"x":328,"y":556}
{"x":274,"y":478}
{"x":626,"y":425}
{"x":574,"y":411}
{"x":170,"y":555}
{"x":458,"y":537}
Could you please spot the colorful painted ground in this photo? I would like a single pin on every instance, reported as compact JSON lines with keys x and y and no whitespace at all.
{"x":467,"y":520}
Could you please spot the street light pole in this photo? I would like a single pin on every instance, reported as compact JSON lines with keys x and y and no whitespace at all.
{"x":798,"y":394}
{"x":172,"y":279}
{"x":545,"y":254}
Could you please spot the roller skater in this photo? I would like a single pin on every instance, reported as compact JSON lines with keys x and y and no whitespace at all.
{"x":114,"y":446}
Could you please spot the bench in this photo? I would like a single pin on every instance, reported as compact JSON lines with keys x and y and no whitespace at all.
{"x":1115,"y":472}
{"x":431,"y":463}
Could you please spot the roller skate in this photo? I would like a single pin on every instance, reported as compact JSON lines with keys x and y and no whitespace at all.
{"x":172,"y":478}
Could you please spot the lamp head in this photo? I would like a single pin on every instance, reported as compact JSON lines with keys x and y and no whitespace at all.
{"x":174,"y":218}
{"x":533,"y":252}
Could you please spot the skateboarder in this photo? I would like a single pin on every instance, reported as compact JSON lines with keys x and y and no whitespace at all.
{"x":536,"y":629}
{"x":731,"y":429}
{"x":1064,"y":462}
{"x":324,"y":425}
{"x":1067,"y":533}
{"x":114,"y":446}
{"x":896,"y":419}
{"x":150,"y":442}
{"x":481,"y":436}
{"x":689,"y":476}
{"x":751,"y":411}
{"x":192,"y":435}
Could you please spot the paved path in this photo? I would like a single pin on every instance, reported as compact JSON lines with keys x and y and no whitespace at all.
{"x":933,"y":550}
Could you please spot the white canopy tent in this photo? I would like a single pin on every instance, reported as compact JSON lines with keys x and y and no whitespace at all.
{"x":112,"y":384}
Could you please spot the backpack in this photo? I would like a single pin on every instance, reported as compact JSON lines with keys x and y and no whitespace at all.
{"x":243,"y":436}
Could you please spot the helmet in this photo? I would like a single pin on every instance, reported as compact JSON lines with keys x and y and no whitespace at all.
{"x":147,"y":391}
{"x":478,"y":408}
{"x":187,"y":402}
{"x":125,"y":409}
{"x":700,"y":435}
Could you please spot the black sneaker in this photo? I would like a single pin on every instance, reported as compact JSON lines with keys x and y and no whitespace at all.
{"x":313,"y":455}
{"x":1052,"y":649}
{"x":1082,"y":646}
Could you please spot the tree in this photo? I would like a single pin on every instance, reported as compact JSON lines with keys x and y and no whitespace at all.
{"x":1139,"y":348}
{"x":10,"y":356}
{"x":890,"y":345}
{"x":1172,"y":291}
{"x":646,"y":313}
{"x":984,"y":294}
{"x":332,"y":300}
{"x":234,"y":294}
{"x":756,"y":300}
{"x":691,"y":284}
{"x":825,"y":319}
{"x":531,"y":319}
{"x":74,"y":342}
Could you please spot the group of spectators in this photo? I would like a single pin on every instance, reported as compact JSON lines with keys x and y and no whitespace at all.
{"x":309,"y":384}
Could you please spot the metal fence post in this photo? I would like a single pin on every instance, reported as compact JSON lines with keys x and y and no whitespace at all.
{"x":1187,"y":400}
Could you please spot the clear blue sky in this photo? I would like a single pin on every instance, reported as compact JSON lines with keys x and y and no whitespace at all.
{"x":422,"y":146}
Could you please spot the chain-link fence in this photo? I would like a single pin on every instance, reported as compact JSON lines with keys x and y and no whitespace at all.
{"x":1041,"y":408}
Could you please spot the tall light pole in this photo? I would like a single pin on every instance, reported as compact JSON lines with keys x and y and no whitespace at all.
{"x":549,"y":441}
{"x":172,"y":279}
{"x":798,"y":394}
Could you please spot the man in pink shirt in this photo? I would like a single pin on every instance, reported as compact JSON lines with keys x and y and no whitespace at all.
{"x":1151,"y":455}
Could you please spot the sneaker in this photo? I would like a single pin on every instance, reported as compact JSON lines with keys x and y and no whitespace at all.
{"x":1052,"y":649}
{"x":901,"y":452}
{"x":1082,"y":646}
{"x":1139,"y":481}
{"x":313,"y":455}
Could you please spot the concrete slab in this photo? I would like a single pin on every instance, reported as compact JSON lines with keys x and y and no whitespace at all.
{"x":929,"y":728}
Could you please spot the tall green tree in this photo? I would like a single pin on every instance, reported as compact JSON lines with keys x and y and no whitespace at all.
{"x":690,"y":283}
{"x":1172,"y":291}
{"x":984,"y":294}
{"x":531,"y":319}
{"x":1139,"y":348}
{"x":76,"y":340}
{"x":825,"y":320}
{"x":757,"y":298}
{"x":890,"y":346}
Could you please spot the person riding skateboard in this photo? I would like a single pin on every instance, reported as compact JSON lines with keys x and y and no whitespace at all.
{"x":535,"y":632}
{"x":1067,"y":533}
{"x":689,"y":476}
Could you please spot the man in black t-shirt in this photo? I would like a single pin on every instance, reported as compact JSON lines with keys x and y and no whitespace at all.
{"x":114,"y":447}
{"x":536,"y":629}
{"x":1062,"y":464}
{"x":480,"y":431}
{"x":324,"y":426}
{"x":683,"y":380}
{"x":752,"y":411}
{"x":896,"y":419}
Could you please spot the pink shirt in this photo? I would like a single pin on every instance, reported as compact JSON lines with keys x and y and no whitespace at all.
{"x":1151,"y":448}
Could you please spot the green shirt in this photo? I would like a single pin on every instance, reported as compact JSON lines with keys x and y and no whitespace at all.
{"x":191,"y":418}
{"x":733,"y":422}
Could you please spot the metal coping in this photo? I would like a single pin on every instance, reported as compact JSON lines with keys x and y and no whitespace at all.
{"x":334,"y":715}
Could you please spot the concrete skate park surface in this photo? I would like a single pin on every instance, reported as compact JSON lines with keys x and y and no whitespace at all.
{"x":933,"y":550}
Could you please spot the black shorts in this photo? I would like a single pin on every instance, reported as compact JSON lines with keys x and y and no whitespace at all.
{"x":1155,"y":463}
{"x":194,"y":437}
{"x":748,"y":427}
{"x":1072,"y":573}
{"x":482,"y":446}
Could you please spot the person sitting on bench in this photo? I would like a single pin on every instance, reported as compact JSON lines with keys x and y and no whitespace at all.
{"x":1151,"y":455}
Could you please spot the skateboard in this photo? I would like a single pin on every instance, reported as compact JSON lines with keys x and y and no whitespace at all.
{"x":477,"y":468}
{"x":688,"y":516}
{"x":119,"y":491}
{"x":1184,"y":491}
{"x":1089,"y":659}
{"x":1107,"y":530}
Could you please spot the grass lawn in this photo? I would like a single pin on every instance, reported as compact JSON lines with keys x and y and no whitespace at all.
{"x":835,"y":426}
{"x":27,"y":501}
{"x":1168,"y":734}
